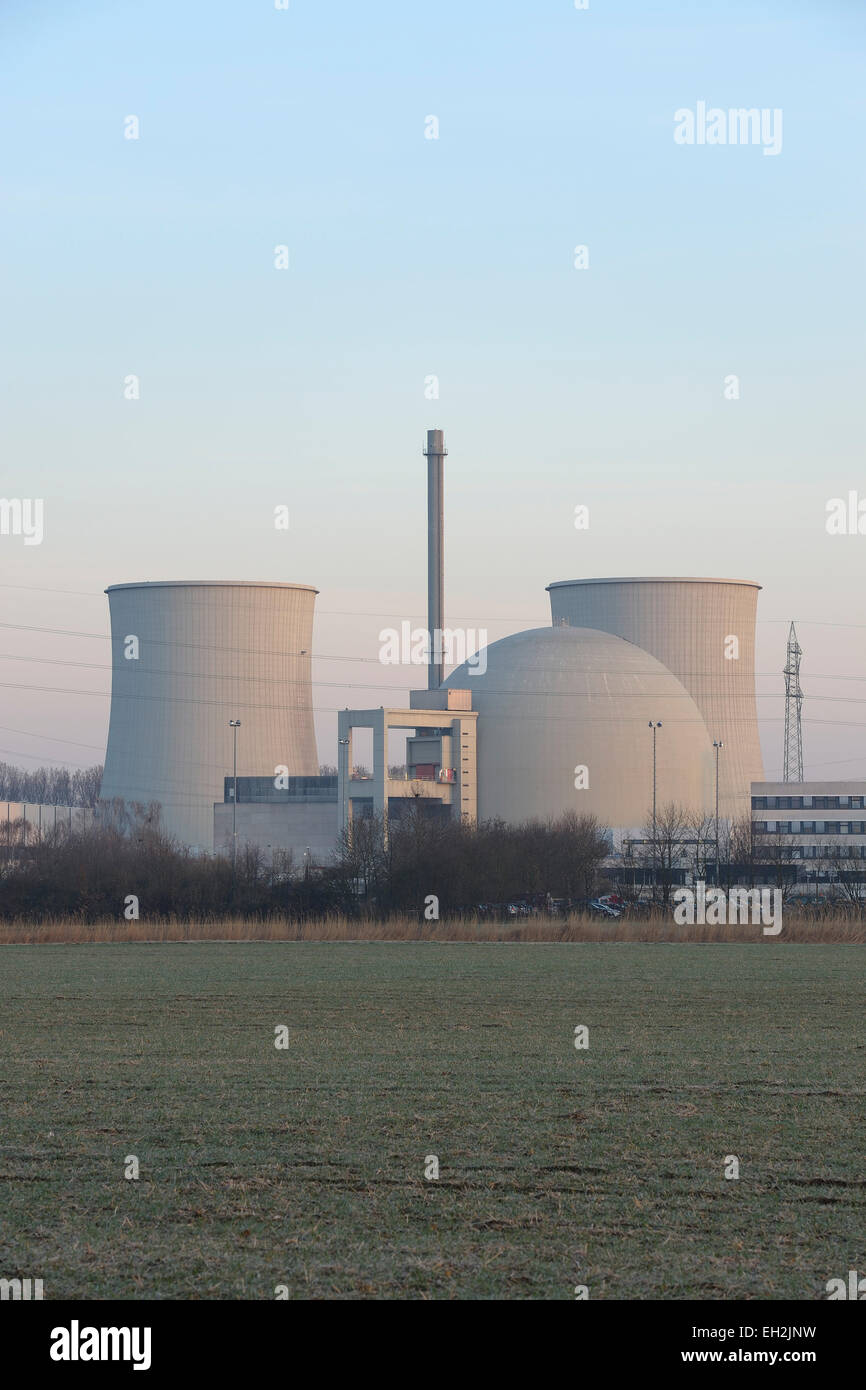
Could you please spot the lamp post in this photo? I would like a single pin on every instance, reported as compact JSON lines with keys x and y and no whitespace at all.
{"x":718,"y":745}
{"x":344,"y":778}
{"x":234,"y":725}
{"x":654,"y":726}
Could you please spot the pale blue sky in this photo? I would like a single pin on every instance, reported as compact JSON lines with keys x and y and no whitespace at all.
{"x":412,"y":257}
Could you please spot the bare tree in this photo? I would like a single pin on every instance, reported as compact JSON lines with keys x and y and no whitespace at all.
{"x":665,"y":849}
{"x":777,"y":850}
{"x":50,"y":786}
{"x":850,"y":871}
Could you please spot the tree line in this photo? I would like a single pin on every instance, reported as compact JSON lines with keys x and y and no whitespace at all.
{"x":93,"y":873}
{"x":50,"y":786}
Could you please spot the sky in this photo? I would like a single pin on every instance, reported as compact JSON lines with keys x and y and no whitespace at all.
{"x":607,"y":386}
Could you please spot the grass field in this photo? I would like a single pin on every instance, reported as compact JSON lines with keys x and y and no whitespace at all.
{"x":304,"y":1167}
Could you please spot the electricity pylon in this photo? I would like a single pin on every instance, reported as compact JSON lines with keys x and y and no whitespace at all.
{"x":793,"y":711}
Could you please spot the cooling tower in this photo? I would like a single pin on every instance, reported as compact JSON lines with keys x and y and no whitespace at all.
{"x":703,"y":631}
{"x":556,"y":699}
{"x":205,"y":653}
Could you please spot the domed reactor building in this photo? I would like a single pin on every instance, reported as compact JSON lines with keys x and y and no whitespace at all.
{"x":565,"y":713}
{"x":563,"y":726}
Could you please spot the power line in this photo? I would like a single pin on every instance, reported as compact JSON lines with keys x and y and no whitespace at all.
{"x":381,"y":686}
{"x":42,"y":758}
{"x":543,"y":621}
{"x":52,"y":738}
{"x":336,"y":709}
{"x":280,"y":653}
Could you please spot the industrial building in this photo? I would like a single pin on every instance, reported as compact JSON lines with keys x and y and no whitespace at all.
{"x":296,"y":815}
{"x":640,"y":687}
{"x":817,"y":824}
{"x":563,"y":725}
{"x":441,"y":760}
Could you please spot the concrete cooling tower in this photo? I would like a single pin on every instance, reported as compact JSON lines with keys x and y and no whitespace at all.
{"x":202,"y":654}
{"x":703,"y":631}
{"x":553,"y":699}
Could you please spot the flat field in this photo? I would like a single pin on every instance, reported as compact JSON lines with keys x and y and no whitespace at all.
{"x":304,"y":1167}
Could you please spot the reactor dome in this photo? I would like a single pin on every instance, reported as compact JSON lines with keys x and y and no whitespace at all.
{"x":560,"y":705}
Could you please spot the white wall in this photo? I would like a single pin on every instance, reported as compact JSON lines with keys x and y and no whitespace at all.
{"x":279,"y":826}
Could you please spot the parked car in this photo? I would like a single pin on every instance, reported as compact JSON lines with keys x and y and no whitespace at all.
{"x":603,"y":909}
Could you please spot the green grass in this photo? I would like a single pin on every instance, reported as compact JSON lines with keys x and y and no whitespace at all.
{"x":304,"y":1167}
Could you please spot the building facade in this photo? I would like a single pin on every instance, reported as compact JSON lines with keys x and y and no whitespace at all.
{"x":820,"y":825}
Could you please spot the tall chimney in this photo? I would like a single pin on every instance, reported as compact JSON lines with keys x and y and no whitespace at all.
{"x":435,"y":455}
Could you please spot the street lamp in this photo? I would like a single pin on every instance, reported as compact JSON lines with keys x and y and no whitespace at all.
{"x":654,"y":726}
{"x":344,"y":778}
{"x":234,"y":725}
{"x":718,"y":745}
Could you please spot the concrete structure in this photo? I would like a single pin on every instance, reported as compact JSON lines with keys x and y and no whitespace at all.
{"x":298,"y":814}
{"x":186,"y":658}
{"x":40,"y":819}
{"x":819,"y":823}
{"x":703,"y":631}
{"x":447,"y":719}
{"x":435,"y":454}
{"x":308,"y":829}
{"x":554,"y":700}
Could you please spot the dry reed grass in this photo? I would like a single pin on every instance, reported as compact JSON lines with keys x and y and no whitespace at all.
{"x":841,"y":927}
